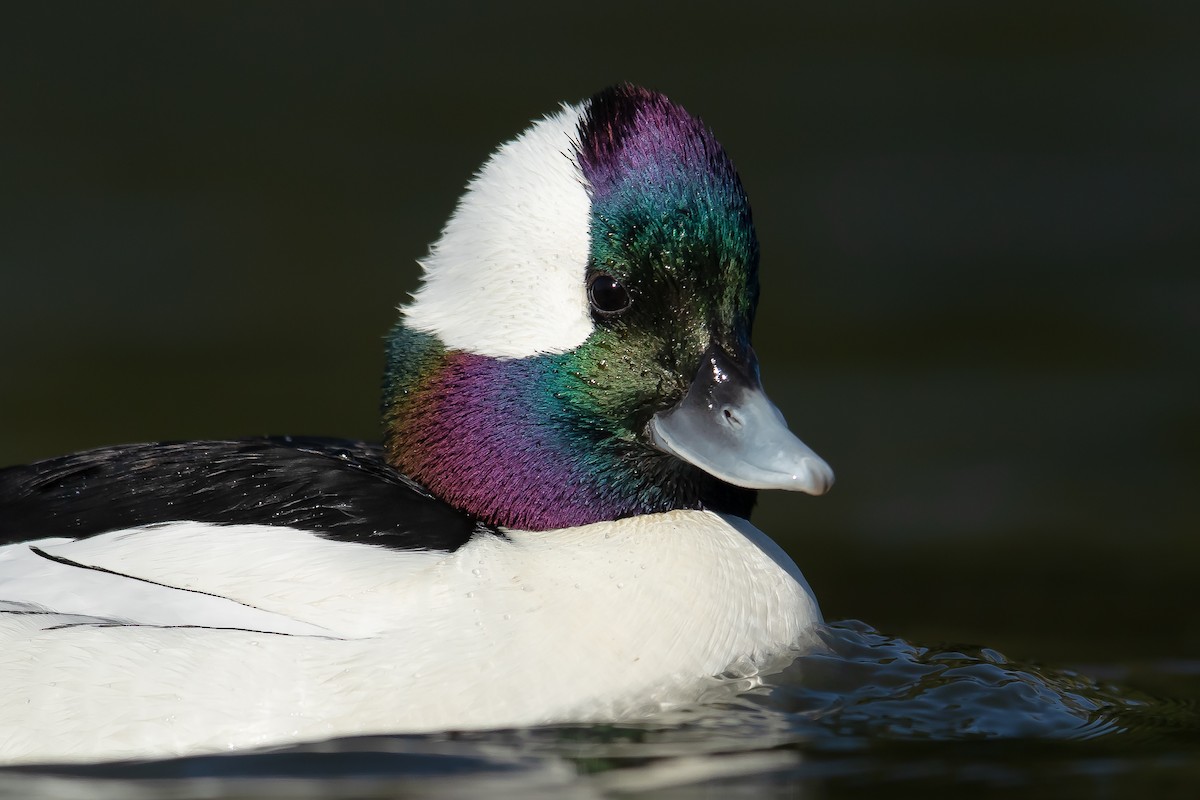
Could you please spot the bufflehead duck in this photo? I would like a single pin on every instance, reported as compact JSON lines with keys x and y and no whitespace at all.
{"x":554,"y":528}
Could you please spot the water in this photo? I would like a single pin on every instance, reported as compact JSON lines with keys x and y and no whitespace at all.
{"x":869,"y":711}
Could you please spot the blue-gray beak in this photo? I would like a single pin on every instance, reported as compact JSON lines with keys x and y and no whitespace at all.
{"x":726,"y":426}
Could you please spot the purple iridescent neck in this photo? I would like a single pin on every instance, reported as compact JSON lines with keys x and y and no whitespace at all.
{"x":512,"y":442}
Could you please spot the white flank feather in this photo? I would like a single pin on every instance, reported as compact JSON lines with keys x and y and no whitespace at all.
{"x":598,"y":622}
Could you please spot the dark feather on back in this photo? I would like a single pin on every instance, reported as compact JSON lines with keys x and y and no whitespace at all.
{"x":339,"y":489}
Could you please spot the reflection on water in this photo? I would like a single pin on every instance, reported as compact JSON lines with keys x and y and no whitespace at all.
{"x":869,"y":708}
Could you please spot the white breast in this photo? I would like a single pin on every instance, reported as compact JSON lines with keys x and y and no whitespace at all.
{"x":596,"y":622}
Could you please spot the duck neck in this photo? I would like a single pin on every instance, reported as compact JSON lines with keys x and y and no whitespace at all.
{"x":502,"y":440}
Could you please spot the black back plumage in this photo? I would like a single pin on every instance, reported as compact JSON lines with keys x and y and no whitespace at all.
{"x":338,"y":489}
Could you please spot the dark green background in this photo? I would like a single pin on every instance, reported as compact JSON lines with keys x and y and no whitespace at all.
{"x":979,"y":229}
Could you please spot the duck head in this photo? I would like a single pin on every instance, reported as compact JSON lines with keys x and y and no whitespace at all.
{"x":579,"y":349}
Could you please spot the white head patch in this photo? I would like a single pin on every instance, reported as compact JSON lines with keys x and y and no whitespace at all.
{"x":506,"y":278}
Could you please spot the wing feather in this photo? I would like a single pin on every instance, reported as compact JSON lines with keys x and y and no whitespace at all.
{"x":341,"y":490}
{"x":280,"y":535}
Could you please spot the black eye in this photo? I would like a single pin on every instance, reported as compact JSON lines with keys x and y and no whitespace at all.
{"x":607,"y":296}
